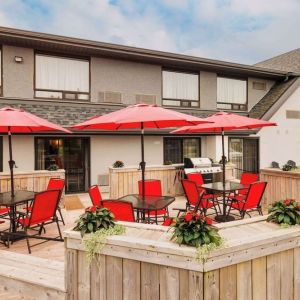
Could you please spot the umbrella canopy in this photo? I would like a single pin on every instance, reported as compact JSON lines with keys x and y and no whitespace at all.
{"x":224,"y":121}
{"x":20,"y":121}
{"x":140,"y":116}
{"x":14,"y":120}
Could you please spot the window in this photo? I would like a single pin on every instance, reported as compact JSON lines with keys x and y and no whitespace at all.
{"x":176,"y":149}
{"x":180,"y":89}
{"x":231,"y":93}
{"x":1,"y":88}
{"x":62,"y":78}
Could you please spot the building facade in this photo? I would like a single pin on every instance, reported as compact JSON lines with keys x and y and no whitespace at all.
{"x":68,"y":80}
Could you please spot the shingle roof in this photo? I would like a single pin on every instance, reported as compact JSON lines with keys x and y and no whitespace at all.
{"x":289,"y":62}
{"x":68,"y":114}
{"x":260,"y":109}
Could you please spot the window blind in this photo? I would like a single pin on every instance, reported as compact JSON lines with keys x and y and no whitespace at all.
{"x":231,"y":90}
{"x":61,"y":74}
{"x":181,"y":86}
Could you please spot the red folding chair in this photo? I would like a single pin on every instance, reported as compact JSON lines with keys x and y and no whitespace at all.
{"x":251,"y":202}
{"x":57,"y":184}
{"x":153,"y":188}
{"x":43,"y":212}
{"x":95,"y":195}
{"x":122,"y":210}
{"x":192,"y":196}
{"x":247,"y":178}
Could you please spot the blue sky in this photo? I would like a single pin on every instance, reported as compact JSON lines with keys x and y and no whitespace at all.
{"x":245,"y":31}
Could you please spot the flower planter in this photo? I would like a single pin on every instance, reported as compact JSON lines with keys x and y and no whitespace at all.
{"x":260,"y":260}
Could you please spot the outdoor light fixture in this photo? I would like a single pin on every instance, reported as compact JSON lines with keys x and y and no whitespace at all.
{"x":18,"y":59}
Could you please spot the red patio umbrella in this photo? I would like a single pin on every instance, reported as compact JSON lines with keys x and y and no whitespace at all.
{"x":19,"y":121}
{"x":223,"y":121}
{"x":140,"y":116}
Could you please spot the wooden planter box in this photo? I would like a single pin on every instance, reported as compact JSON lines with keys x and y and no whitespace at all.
{"x":281,"y":185}
{"x":260,"y":261}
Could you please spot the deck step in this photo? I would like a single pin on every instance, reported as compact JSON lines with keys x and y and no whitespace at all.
{"x":32,"y":277}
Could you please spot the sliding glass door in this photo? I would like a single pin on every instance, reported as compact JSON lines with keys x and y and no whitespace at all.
{"x":71,"y":154}
{"x":244,"y":153}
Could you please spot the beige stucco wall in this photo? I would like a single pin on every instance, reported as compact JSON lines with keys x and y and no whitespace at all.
{"x":18,"y":77}
{"x":128,"y":78}
{"x":255,"y":95}
{"x":208,"y":90}
{"x":281,"y":143}
{"x":105,"y":150}
{"x":23,"y":152}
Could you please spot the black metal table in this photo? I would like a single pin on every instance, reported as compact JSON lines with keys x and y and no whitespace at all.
{"x":148,"y":203}
{"x":7,"y":200}
{"x":219,"y":187}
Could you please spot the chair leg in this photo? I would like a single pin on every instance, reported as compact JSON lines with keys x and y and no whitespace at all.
{"x":58,"y":229}
{"x":27,"y":240}
{"x":61,"y":216}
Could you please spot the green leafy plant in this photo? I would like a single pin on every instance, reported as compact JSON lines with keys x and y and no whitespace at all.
{"x":287,"y":167}
{"x":118,"y":164}
{"x":195,"y":230}
{"x":93,"y":219}
{"x":94,"y":242}
{"x":53,"y":167}
{"x":285,"y":212}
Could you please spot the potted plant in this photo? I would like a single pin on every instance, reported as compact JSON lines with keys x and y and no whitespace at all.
{"x":95,"y":225}
{"x":195,"y":230}
{"x":118,"y":164}
{"x":285,"y":212}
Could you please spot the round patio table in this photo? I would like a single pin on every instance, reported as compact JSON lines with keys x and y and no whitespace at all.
{"x":11,"y":202}
{"x":148,"y":203}
{"x":228,"y":187}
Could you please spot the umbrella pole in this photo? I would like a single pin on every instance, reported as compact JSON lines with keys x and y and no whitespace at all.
{"x":11,"y":164}
{"x":224,"y":175}
{"x":142,"y":163}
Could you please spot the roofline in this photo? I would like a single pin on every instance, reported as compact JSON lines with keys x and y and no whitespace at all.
{"x":135,"y":52}
{"x":282,"y":99}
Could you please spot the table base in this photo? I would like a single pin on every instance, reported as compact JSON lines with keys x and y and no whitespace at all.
{"x":222,"y":218}
{"x":12,"y":237}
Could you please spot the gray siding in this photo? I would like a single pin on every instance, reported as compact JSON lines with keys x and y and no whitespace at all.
{"x":18,"y":77}
{"x":128,"y":78}
{"x":208,"y":90}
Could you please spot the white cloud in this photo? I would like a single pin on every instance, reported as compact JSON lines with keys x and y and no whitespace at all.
{"x":235,"y":30}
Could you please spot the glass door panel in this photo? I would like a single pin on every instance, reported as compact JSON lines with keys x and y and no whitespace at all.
{"x":236,"y":154}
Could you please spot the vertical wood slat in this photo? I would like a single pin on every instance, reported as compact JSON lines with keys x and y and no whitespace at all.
{"x":259,"y":278}
{"x":287,"y":274}
{"x":212,"y":285}
{"x":149,"y":281}
{"x":228,"y":283}
{"x":71,"y":269}
{"x":297,"y":273}
{"x":273,"y":276}
{"x":83,"y":275}
{"x":244,"y":281}
{"x":98,"y":278}
{"x":114,"y":278}
{"x":183,"y":284}
{"x":195,"y":285}
{"x":169,"y":283}
{"x":131,"y":279}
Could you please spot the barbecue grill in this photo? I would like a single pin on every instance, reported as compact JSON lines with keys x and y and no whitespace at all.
{"x":202,"y":165}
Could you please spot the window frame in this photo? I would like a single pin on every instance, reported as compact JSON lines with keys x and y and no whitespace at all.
{"x":1,"y":70}
{"x":234,"y":106}
{"x":180,"y":100}
{"x":63,"y":92}
{"x":181,"y":139}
